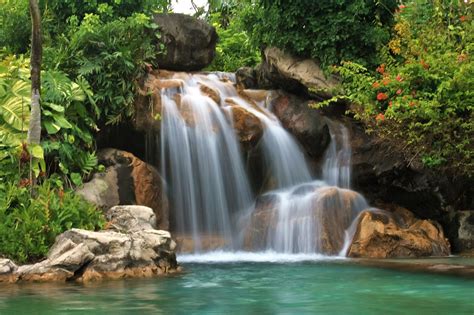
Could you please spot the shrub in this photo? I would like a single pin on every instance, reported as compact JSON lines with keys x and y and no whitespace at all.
{"x":29,"y":226}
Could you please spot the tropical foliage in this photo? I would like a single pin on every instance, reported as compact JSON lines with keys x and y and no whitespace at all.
{"x":329,"y":31}
{"x":421,"y":97}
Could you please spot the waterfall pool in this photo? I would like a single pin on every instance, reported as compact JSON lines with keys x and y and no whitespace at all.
{"x":283,"y":284}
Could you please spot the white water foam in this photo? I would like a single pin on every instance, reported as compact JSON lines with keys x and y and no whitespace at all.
{"x":257,"y":257}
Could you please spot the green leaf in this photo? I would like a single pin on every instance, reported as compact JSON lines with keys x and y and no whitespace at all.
{"x":51,"y":127}
{"x":37,"y":152}
{"x":76,"y":179}
{"x":55,"y":107}
{"x":62,"y":122}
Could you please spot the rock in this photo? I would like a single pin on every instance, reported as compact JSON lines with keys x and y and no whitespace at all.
{"x":248,"y":127}
{"x":127,"y":180}
{"x":189,"y":43}
{"x":137,"y":250}
{"x":382,"y":171}
{"x":383,"y":234}
{"x":285,"y":71}
{"x":306,"y":124}
{"x":131,"y":218}
{"x":329,"y":210}
{"x":187,"y":244}
{"x":213,"y":94}
{"x":460,"y":229}
{"x":246,"y":78}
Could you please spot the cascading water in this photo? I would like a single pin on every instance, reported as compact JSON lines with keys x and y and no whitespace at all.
{"x":209,"y":189}
{"x":337,"y":160}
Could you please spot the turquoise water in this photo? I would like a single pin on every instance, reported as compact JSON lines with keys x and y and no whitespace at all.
{"x":312,"y":287}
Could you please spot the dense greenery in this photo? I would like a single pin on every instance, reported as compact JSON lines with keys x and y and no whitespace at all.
{"x":28,"y":226}
{"x":235,"y":48}
{"x":329,"y":31}
{"x":94,"y":52}
{"x":421,"y":97}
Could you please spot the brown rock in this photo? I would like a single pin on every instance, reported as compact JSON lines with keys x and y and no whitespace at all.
{"x":248,"y":127}
{"x":332,"y":211}
{"x":187,"y":244}
{"x":127,"y":180}
{"x":383,"y":234}
{"x":213,"y":94}
{"x":306,"y":124}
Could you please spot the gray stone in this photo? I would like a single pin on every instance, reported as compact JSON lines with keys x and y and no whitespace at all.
{"x":131,"y":218}
{"x":190,"y":43}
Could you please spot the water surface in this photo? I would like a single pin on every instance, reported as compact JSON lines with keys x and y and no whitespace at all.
{"x":310,"y":286}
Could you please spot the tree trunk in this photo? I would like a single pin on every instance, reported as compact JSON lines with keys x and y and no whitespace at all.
{"x":34,"y":130}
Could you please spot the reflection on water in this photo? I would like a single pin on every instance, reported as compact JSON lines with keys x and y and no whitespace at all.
{"x":318,"y":286}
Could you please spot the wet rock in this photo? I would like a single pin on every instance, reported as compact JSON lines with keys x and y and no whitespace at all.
{"x":127,"y":180}
{"x":306,"y":124}
{"x":328,"y":210}
{"x":187,"y":244}
{"x":81,"y":255}
{"x":397,"y":233}
{"x":248,"y":127}
{"x":213,"y":94}
{"x":280,"y":70}
{"x":189,"y":43}
{"x":460,"y":229}
{"x":246,"y":78}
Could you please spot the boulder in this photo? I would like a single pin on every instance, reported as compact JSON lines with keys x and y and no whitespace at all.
{"x":460,"y":229}
{"x":285,"y":71}
{"x":246,"y":78}
{"x":327,"y":211}
{"x":130,"y":248}
{"x":248,"y":127}
{"x":381,"y":170}
{"x":396,"y":233}
{"x":189,"y":42}
{"x":127,"y":180}
{"x":306,"y":124}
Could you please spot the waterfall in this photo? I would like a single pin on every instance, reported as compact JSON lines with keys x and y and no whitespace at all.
{"x":337,"y":160}
{"x":208,"y":185}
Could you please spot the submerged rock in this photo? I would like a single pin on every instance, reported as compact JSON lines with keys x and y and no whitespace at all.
{"x":189,"y":43}
{"x":127,"y":180}
{"x":384,"y":234}
{"x":130,"y":248}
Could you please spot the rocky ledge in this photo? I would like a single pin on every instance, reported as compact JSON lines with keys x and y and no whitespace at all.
{"x":129,"y":247}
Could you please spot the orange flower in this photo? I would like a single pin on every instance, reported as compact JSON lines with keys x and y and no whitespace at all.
{"x":412,"y":104}
{"x":380,"y":117}
{"x":424,"y":64}
{"x":390,"y":104}
{"x":399,"y":78}
{"x":381,"y":69}
{"x":399,"y":91}
{"x":401,"y":6}
{"x":462,"y":57}
{"x":375,"y":85}
{"x":386,"y":81}
{"x":463,"y":18}
{"x":381,"y":97}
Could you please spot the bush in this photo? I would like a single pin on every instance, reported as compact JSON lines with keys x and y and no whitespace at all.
{"x":234,"y":49}
{"x":422,"y":96}
{"x":29,"y":226}
{"x":329,"y":31}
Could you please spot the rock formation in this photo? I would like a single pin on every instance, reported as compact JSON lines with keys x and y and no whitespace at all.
{"x":189,"y":43}
{"x":127,"y":180}
{"x":130,"y":247}
{"x":396,"y":233}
